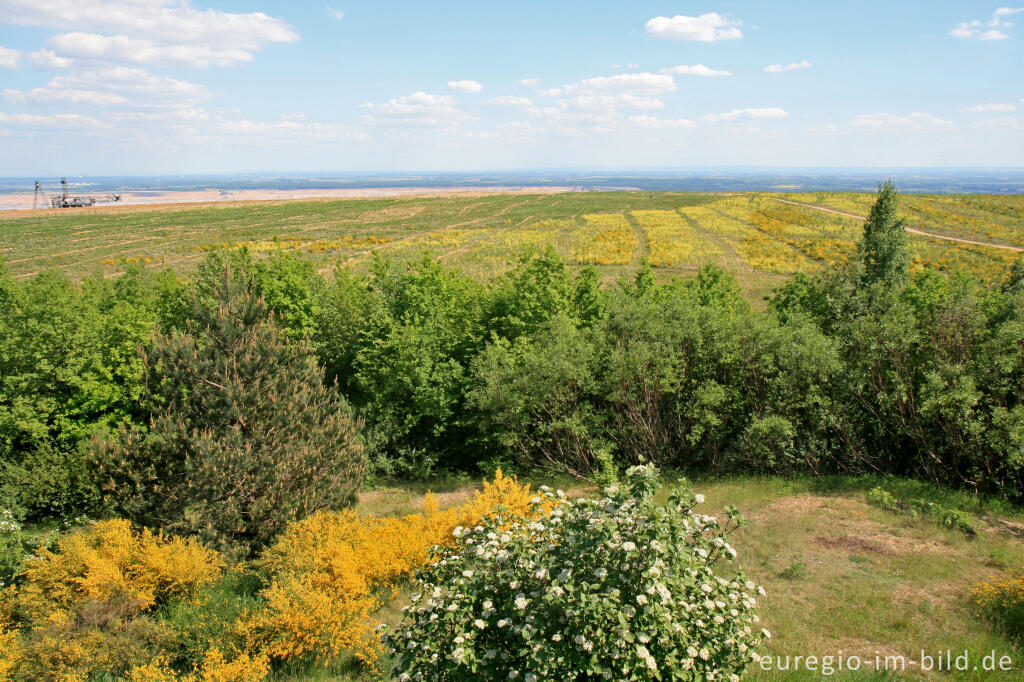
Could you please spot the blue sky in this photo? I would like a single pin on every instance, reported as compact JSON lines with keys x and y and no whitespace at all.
{"x":164,"y":86}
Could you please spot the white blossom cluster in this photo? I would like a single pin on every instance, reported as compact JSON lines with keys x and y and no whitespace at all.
{"x":616,"y":588}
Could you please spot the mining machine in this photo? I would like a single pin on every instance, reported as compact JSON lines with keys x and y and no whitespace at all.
{"x":66,"y":200}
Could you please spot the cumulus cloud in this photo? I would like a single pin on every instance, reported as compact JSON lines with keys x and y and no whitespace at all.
{"x":629,"y":83}
{"x":695,"y":70}
{"x":465,"y":86}
{"x":9,"y":58}
{"x":645,"y":121}
{"x":419,"y":107}
{"x":998,"y":123}
{"x":706,"y":28}
{"x":335,"y":13}
{"x":610,"y":103}
{"x":914,"y":121}
{"x":510,"y":101}
{"x":530,"y":82}
{"x":65,"y":96}
{"x":116,"y":86}
{"x":48,"y":59}
{"x":139,"y":83}
{"x":149,"y":31}
{"x":778,"y":68}
{"x":291,"y":129}
{"x":748,"y":113}
{"x":43,"y":121}
{"x":986,"y":30}
{"x":140,"y":51}
{"x":984,"y":108}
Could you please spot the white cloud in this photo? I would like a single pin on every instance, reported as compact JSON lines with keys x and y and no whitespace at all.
{"x":631,"y":83}
{"x":610,"y":103}
{"x":778,"y":68}
{"x":986,"y":30}
{"x":52,"y":121}
{"x":416,"y":103}
{"x":983,"y":108}
{"x":123,"y":49}
{"x":9,"y":58}
{"x":530,"y":82}
{"x":149,"y":31}
{"x":335,"y":13}
{"x":749,"y":113}
{"x":706,"y":28}
{"x":116,"y":86}
{"x":139,"y":83}
{"x":828,"y":129}
{"x":419,"y":107}
{"x":914,"y":121}
{"x":695,"y":70}
{"x":180,"y":115}
{"x":65,"y":96}
{"x":645,"y":121}
{"x":510,"y":101}
{"x":998,"y":122}
{"x":465,"y":86}
{"x":48,"y":59}
{"x":291,"y":129}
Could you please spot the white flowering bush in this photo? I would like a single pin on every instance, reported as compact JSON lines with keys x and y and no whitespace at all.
{"x":12,"y":547}
{"x":618,"y":588}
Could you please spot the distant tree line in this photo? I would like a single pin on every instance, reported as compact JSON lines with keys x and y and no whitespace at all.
{"x":250,"y":393}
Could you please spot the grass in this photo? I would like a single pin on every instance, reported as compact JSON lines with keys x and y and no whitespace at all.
{"x":760,"y":240}
{"x":843,"y":577}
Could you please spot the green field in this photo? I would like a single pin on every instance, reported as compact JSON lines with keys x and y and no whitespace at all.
{"x":755,"y":236}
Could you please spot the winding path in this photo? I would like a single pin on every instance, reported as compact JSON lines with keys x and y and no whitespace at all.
{"x":911,"y":230}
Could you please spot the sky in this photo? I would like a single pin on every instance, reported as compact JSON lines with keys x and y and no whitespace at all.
{"x":137,"y":87}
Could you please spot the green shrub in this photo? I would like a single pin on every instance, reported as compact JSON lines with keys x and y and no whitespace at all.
{"x":880,"y":497}
{"x":607,"y":473}
{"x":620,"y":588}
{"x":243,"y":436}
{"x":12,"y":548}
{"x":954,"y":519}
{"x":49,"y":482}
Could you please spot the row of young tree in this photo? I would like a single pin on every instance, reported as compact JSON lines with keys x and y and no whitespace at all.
{"x":249,"y":394}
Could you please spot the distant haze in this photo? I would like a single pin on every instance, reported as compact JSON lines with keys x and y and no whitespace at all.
{"x":931,"y":180}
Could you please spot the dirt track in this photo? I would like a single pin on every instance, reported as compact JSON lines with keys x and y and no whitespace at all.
{"x":908,"y":229}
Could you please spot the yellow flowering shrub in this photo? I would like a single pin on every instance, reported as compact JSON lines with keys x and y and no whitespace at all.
{"x":85,"y":604}
{"x":10,"y":653}
{"x":215,"y":668}
{"x":1003,"y":601}
{"x":111,"y":560}
{"x":87,"y":607}
{"x":331,"y":572}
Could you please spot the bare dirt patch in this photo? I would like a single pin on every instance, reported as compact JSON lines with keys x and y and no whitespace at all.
{"x":853,"y":530}
{"x":1007,"y":527}
{"x":851,"y":543}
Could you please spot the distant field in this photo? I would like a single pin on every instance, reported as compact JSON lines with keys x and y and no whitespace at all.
{"x":760,"y":239}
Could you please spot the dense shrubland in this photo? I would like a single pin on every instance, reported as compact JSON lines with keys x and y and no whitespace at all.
{"x":869,"y":368}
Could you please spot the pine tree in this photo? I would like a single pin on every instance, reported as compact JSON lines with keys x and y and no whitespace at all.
{"x":243,"y":437}
{"x":883,"y":251}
